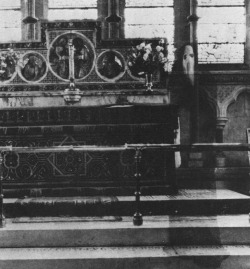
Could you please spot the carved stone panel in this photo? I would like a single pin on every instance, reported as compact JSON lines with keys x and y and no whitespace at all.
{"x":71,"y":55}
{"x":32,"y":67}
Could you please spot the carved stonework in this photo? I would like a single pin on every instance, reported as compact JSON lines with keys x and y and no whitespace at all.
{"x":71,"y":55}
{"x":226,"y":77}
{"x":221,"y":122}
{"x":32,"y":67}
{"x":224,"y":92}
{"x":222,"y":96}
{"x":82,"y":87}
{"x":110,"y":65}
{"x":83,"y":165}
{"x":74,"y":50}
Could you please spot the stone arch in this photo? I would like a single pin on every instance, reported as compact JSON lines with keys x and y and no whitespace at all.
{"x":232,"y":98}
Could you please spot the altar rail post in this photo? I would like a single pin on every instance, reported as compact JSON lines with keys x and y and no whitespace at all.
{"x":2,"y":218}
{"x":137,"y":219}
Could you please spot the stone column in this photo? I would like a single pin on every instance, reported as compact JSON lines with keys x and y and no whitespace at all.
{"x":111,"y":14}
{"x":32,"y":12}
{"x":220,"y":159}
{"x":113,"y":19}
{"x":193,"y":22}
{"x":195,"y":158}
{"x":247,"y":48}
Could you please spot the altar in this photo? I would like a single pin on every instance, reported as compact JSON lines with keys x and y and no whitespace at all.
{"x":72,"y":88}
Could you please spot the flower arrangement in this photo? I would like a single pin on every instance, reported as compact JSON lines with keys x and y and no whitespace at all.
{"x":146,"y":59}
{"x":8,"y":61}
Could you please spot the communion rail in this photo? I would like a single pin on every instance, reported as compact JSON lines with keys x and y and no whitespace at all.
{"x":138,"y":150}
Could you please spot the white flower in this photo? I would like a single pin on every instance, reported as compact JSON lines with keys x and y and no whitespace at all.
{"x":145,"y":56}
{"x":159,"y":48}
{"x":141,"y":46}
{"x":148,"y":48}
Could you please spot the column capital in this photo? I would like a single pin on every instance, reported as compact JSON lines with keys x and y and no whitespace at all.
{"x":221,"y":122}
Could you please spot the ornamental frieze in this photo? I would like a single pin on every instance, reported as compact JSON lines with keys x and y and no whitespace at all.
{"x":72,"y":56}
{"x":225,"y":77}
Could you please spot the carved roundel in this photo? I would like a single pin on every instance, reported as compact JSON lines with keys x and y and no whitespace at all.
{"x":71,"y":55}
{"x":134,"y":72}
{"x":32,"y":67}
{"x":110,"y":65}
{"x":8,"y":63}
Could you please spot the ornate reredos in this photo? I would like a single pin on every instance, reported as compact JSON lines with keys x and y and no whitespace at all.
{"x":69,"y":50}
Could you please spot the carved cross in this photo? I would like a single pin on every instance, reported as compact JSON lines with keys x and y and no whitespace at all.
{"x":71,"y":59}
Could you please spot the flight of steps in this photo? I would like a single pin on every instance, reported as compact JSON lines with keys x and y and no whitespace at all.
{"x":197,"y":228}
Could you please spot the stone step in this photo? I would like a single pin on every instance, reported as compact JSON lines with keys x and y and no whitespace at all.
{"x":114,"y":231}
{"x":62,"y":189}
{"x":186,"y":202}
{"x":160,"y":257}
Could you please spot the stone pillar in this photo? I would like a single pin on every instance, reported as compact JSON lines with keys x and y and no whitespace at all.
{"x":195,"y":158}
{"x":247,"y":48}
{"x":181,"y":29}
{"x":111,"y":14}
{"x":220,"y":159}
{"x":32,"y":12}
{"x":193,"y":21}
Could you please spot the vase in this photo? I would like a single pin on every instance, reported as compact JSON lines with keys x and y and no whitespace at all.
{"x":148,"y":82}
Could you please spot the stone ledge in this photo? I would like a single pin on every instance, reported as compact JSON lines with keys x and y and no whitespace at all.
{"x":225,"y":173}
{"x":161,"y":257}
{"x":94,"y":98}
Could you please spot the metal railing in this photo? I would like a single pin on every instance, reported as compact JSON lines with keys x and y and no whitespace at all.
{"x":137,"y":148}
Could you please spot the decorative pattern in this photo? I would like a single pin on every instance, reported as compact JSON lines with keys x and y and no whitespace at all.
{"x":43,"y":119}
{"x":82,"y":87}
{"x":223,"y":92}
{"x":83,"y":166}
{"x":69,"y":164}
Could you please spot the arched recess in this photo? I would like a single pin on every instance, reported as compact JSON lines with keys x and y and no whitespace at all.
{"x":223,"y":106}
{"x":237,"y":110}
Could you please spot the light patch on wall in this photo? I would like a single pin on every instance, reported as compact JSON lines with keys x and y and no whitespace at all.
{"x":221,"y":31}
{"x":75,"y":3}
{"x":10,"y":21}
{"x":144,"y":3}
{"x":10,"y":4}
{"x":72,"y":10}
{"x":71,"y":14}
{"x":221,"y":2}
